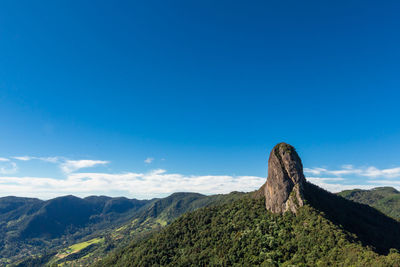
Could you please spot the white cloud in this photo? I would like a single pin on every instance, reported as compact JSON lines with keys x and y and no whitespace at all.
{"x":371,"y":172}
{"x":315,"y":171}
{"x":139,"y":185}
{"x":8,"y":167}
{"x":161,"y":183}
{"x":337,"y":187}
{"x":66,"y":165}
{"x":73,"y":165}
{"x":156,"y":183}
{"x":333,"y":184}
{"x":348,"y":169}
{"x":347,"y":166}
{"x":385,"y":173}
{"x":50,"y":159}
{"x":320,"y":177}
{"x":47,"y":159}
{"x":324,"y":179}
{"x":149,"y":160}
{"x":385,"y":183}
{"x":23,"y":158}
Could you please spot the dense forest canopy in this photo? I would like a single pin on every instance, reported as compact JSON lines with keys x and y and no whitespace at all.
{"x":242,"y":233}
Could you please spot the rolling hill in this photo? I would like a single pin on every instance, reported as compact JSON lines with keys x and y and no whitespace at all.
{"x":287,"y":222}
{"x":242,"y":233}
{"x":94,"y":226}
{"x":27,"y":226}
{"x":385,"y":199}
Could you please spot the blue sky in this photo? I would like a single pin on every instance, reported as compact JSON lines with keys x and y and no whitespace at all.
{"x":145,"y":98}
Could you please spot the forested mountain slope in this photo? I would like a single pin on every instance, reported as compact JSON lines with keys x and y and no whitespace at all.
{"x":243,"y":233}
{"x":385,"y":199}
{"x":151,"y":217}
{"x":288,"y":221}
{"x":27,"y":226}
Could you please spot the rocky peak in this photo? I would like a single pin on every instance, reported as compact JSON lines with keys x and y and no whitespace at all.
{"x":283,"y":190}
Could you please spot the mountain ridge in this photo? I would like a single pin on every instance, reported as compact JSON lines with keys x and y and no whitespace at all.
{"x":310,"y":226}
{"x":242,"y":233}
{"x":385,"y":199}
{"x":152,"y":216}
{"x":89,"y":249}
{"x":293,"y":210}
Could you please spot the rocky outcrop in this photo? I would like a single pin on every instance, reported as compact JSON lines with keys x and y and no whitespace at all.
{"x":283,"y":190}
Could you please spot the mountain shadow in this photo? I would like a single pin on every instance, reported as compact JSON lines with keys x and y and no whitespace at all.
{"x":385,"y":199}
{"x":286,"y":189}
{"x":371,"y":227}
{"x":244,"y":233}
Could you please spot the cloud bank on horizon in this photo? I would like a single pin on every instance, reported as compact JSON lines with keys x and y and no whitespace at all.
{"x":159,"y":182}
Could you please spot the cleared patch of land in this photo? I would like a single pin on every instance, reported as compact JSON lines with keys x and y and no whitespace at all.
{"x":78,"y":247}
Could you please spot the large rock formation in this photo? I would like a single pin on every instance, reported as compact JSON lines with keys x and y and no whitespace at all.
{"x":283,"y":190}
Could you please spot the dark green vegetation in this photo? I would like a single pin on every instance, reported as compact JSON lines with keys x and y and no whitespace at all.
{"x":385,"y":199}
{"x":328,"y":230}
{"x":86,"y":236}
{"x":372,"y":227}
{"x":284,"y":147}
{"x":231,"y":229}
{"x":28,"y":226}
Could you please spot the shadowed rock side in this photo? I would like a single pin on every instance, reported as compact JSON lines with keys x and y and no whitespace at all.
{"x":283,"y":190}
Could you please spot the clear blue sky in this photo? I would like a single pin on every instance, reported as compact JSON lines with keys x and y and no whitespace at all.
{"x":201,"y":87}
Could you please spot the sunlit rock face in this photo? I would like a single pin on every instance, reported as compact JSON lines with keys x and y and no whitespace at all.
{"x":283,"y":190}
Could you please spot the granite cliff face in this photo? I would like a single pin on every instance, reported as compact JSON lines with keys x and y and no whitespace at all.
{"x":283,"y":190}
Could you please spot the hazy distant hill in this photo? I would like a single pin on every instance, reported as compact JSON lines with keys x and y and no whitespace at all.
{"x":287,"y":221}
{"x":42,"y":227}
{"x":28,"y":225}
{"x":328,"y":213}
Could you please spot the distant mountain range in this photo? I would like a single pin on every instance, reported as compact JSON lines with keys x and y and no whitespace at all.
{"x":287,"y":222}
{"x":115,"y":222}
{"x":32,"y":227}
{"x":27,"y":224}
